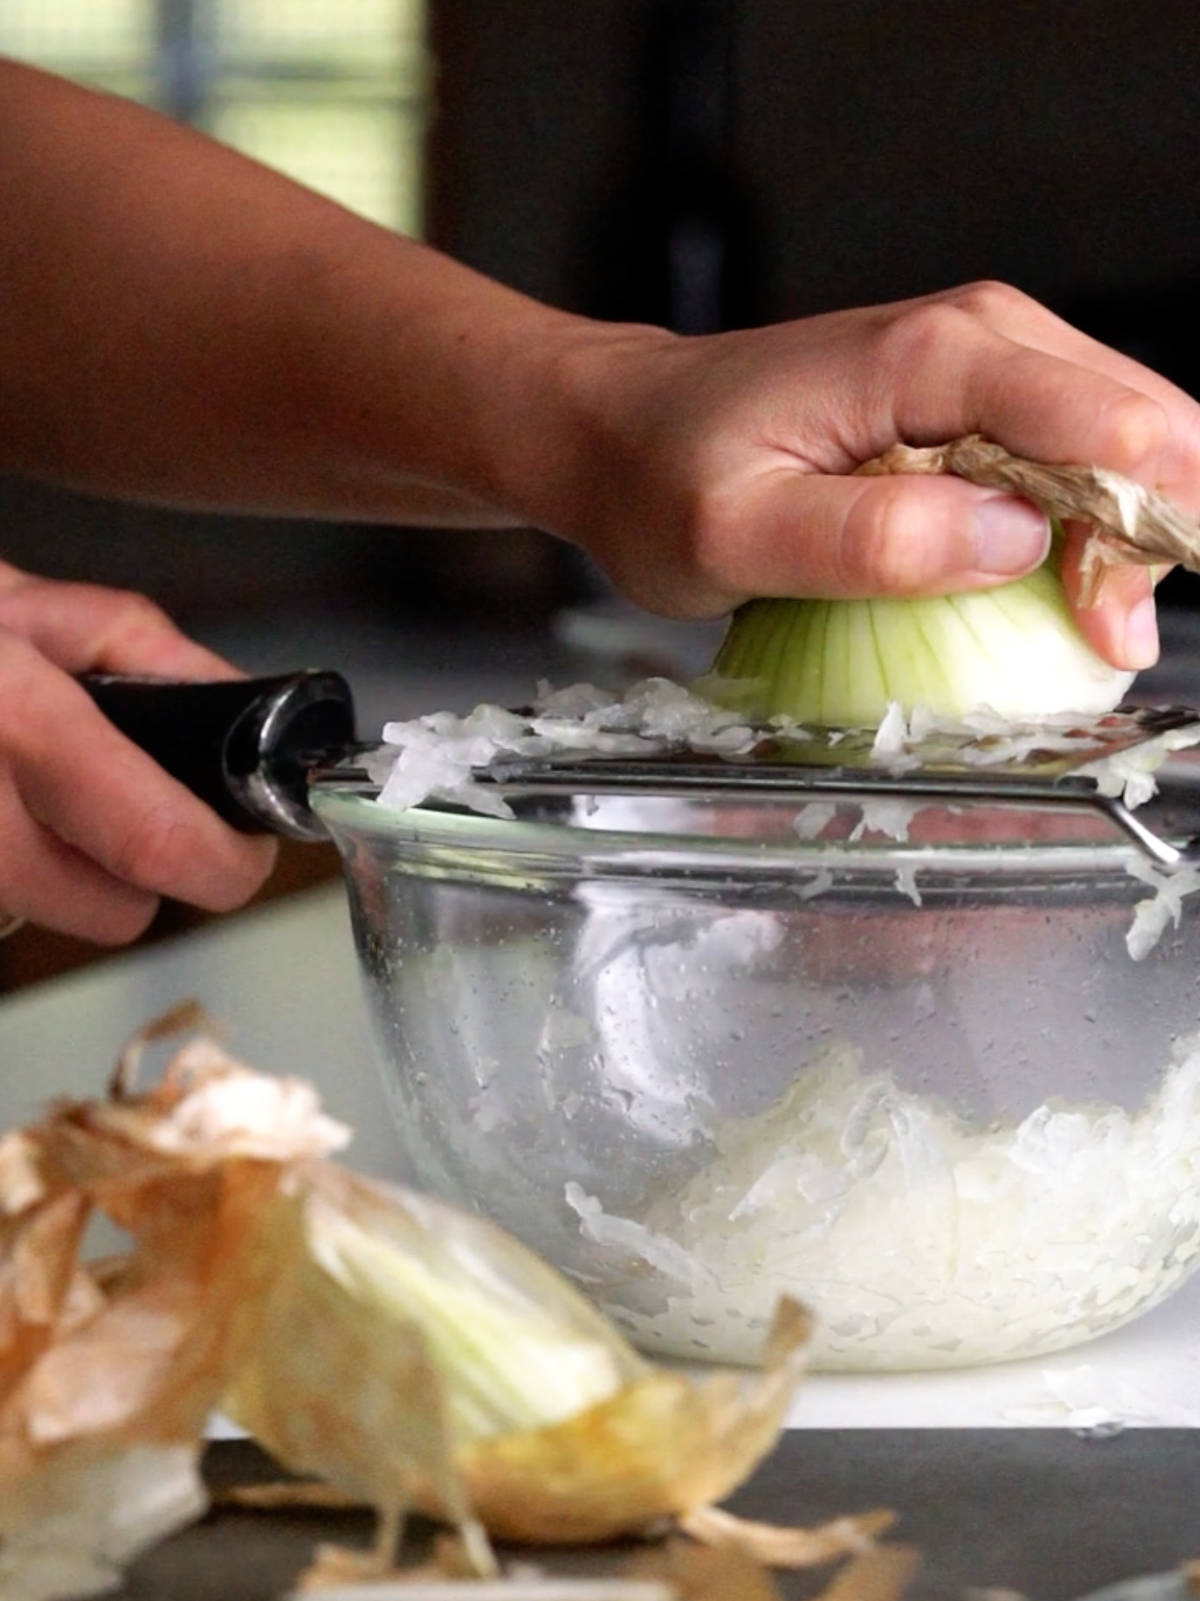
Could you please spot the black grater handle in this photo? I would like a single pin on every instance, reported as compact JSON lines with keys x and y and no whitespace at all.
{"x":243,"y":745}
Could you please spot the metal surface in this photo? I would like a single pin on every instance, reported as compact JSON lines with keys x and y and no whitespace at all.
{"x":946,"y":767}
{"x":253,"y":748}
{"x":954,"y":752}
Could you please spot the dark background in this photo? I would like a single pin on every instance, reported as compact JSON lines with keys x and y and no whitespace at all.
{"x":868,"y":150}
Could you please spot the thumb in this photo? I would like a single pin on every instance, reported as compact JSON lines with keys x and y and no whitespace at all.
{"x":844,"y":538}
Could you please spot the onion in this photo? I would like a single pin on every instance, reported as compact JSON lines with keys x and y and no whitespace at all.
{"x":405,"y":1353}
{"x":1015,"y":650}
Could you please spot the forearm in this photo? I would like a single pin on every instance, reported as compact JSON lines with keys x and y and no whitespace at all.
{"x":178,"y":324}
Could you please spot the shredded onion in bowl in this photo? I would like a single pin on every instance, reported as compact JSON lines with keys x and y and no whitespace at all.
{"x":918,"y":1241}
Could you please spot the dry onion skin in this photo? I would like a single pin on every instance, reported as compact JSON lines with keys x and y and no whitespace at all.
{"x":109,"y":1371}
{"x":1128,"y":524}
{"x":349,"y":1325}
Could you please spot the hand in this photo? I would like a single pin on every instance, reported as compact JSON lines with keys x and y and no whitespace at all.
{"x":713,"y":469}
{"x":92,"y":831}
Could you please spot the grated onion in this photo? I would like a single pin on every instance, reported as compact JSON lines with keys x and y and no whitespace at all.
{"x":848,"y":1190}
{"x":435,"y":757}
{"x":439,"y":757}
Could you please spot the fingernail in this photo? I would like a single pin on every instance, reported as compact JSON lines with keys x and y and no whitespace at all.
{"x":1011,"y":536}
{"x":1141,"y":635}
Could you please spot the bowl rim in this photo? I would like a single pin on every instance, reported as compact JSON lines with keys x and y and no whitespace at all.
{"x":351,"y":813}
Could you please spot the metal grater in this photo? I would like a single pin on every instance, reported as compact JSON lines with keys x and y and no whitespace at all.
{"x":1058,"y":767}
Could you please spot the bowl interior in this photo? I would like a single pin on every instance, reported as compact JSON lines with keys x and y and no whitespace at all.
{"x":698,"y":1054}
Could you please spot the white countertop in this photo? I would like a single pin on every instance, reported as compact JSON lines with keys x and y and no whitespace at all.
{"x":284,"y":980}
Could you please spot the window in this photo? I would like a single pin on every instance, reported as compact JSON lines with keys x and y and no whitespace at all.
{"x":333,"y":92}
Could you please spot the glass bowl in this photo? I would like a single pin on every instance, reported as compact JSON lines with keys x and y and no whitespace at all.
{"x":703,"y":1051}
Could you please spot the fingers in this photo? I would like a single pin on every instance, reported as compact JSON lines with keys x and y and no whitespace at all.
{"x":918,"y":536}
{"x":92,"y":831}
{"x":87,"y":628}
{"x":1024,"y":322}
{"x":1029,"y":381}
{"x":816,"y":534}
{"x":926,"y":536}
{"x":988,"y":360}
{"x":1120,"y":622}
{"x":58,"y":888}
{"x":727,"y":460}
{"x":950,"y":375}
